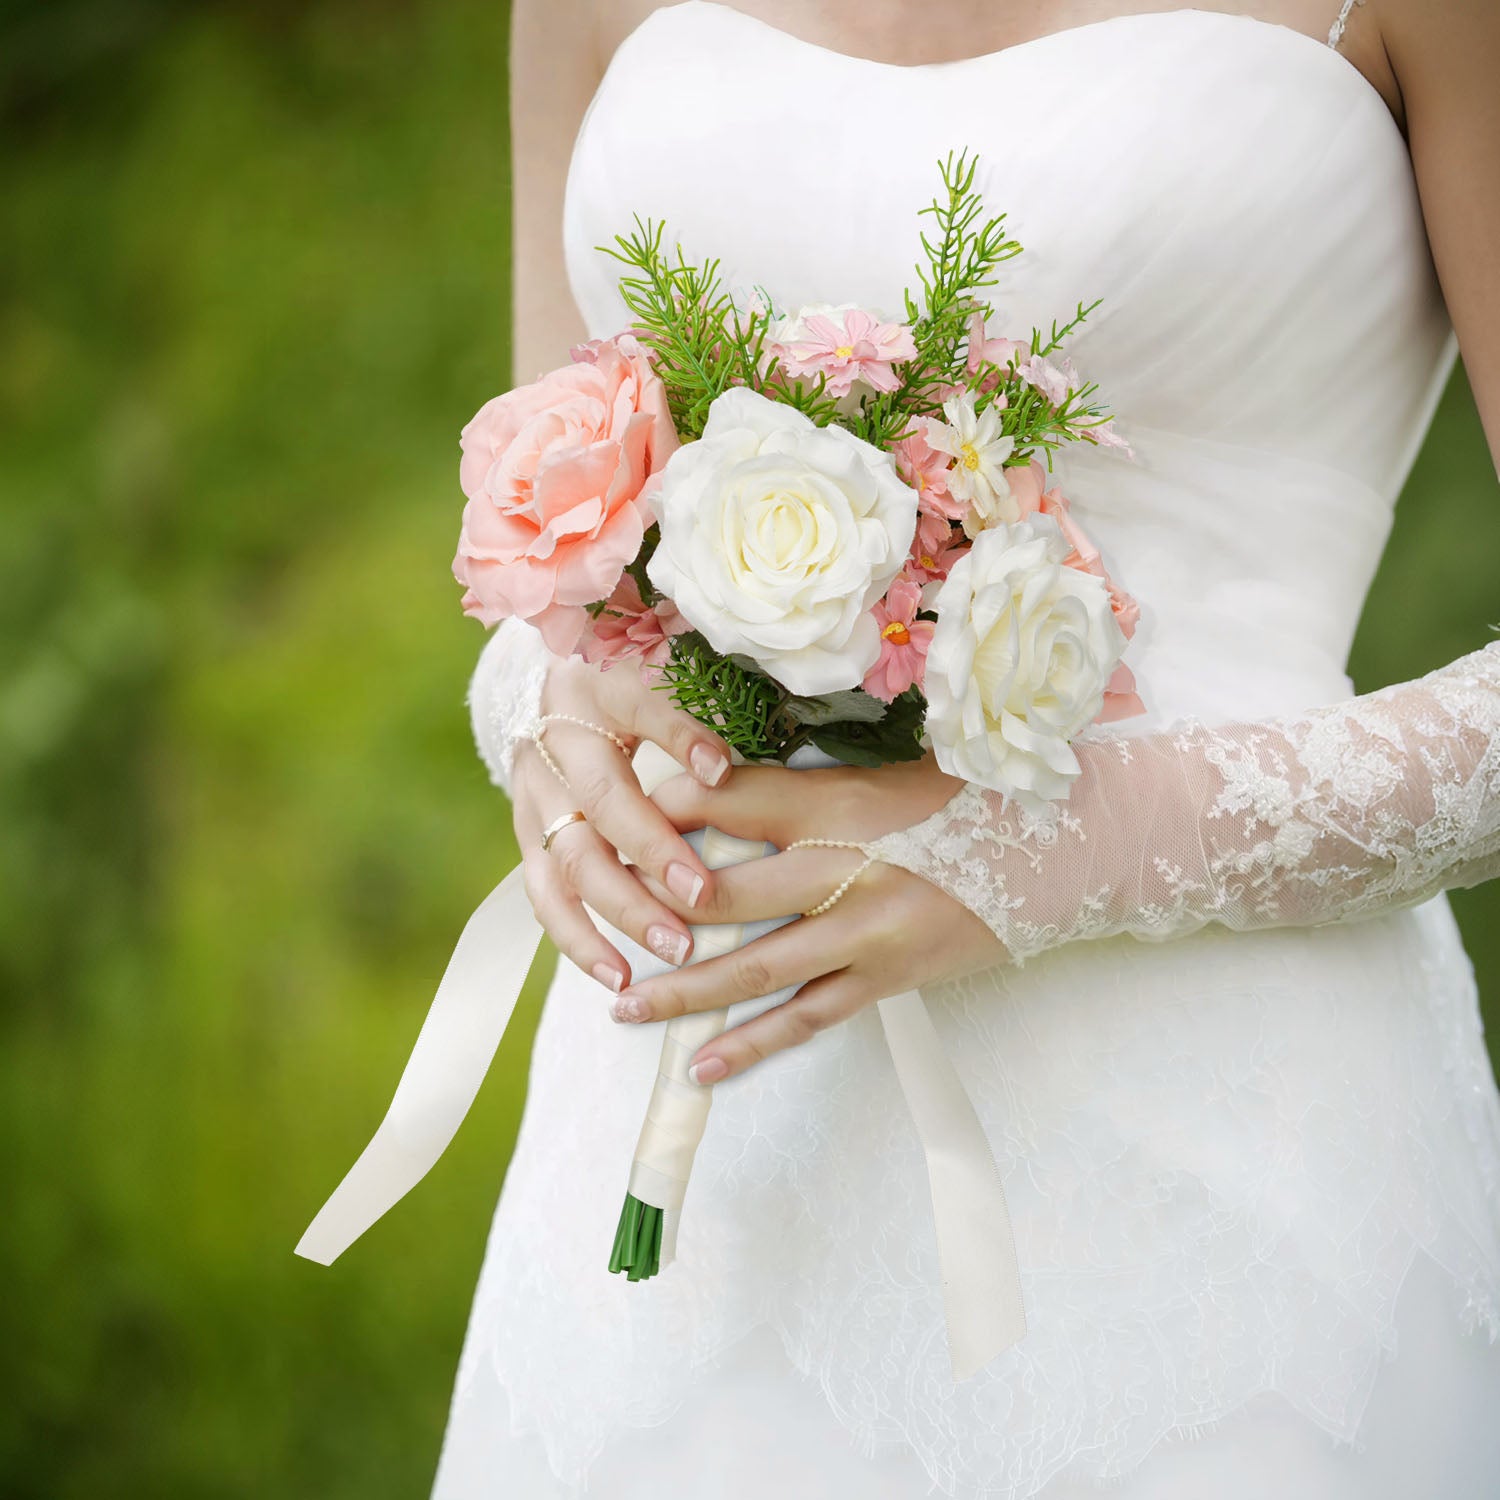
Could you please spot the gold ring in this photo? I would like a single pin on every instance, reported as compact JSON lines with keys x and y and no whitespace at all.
{"x":556,"y":826}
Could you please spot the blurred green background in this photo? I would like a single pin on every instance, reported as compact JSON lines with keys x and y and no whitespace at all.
{"x":253,"y":278}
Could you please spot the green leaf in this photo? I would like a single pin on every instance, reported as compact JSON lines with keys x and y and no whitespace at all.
{"x":896,"y":737}
{"x":851,"y":706}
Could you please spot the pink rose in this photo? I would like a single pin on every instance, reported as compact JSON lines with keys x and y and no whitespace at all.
{"x":626,"y":627}
{"x":555,"y":473}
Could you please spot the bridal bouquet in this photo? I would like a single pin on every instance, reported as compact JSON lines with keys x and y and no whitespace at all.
{"x":814,"y":526}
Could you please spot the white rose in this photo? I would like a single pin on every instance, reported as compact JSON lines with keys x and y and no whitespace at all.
{"x":1019,"y":660}
{"x":778,"y":537}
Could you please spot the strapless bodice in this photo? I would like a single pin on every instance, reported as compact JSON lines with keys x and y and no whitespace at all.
{"x":1272,"y":337}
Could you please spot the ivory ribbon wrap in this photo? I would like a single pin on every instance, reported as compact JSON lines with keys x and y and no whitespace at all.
{"x":678,"y":1111}
{"x":469,"y":1015}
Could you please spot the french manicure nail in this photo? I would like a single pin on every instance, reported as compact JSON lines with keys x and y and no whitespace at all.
{"x":608,"y":976}
{"x":708,"y":764}
{"x":665,"y":943}
{"x":710,"y":1070}
{"x":628,"y":1008}
{"x":685,"y":884}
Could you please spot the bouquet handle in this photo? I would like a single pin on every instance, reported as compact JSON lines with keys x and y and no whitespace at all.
{"x":677,"y":1113}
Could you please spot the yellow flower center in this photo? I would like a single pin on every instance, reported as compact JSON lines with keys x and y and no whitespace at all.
{"x":968,"y":456}
{"x":927,"y":562}
{"x":845,"y":351}
{"x":897,"y":633}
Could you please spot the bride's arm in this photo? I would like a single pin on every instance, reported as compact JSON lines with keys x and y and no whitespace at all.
{"x":1445,"y":55}
{"x":555,"y":67}
{"x":554,"y":70}
{"x":1342,"y":812}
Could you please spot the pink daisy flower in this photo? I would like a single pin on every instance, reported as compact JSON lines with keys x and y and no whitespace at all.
{"x":845,"y":346}
{"x":904,"y":640}
{"x":926,"y":470}
{"x":934,"y":549}
{"x":626,"y":628}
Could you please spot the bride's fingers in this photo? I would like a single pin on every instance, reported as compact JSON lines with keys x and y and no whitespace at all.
{"x":814,"y":1008}
{"x":562,"y":916}
{"x":781,"y":885}
{"x":606,"y":789}
{"x":757,"y":802}
{"x":790,"y":955}
{"x":648,"y":714}
{"x":590,"y":868}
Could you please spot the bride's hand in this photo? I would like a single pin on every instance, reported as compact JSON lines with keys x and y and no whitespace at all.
{"x":891,"y":931}
{"x":582,"y":863}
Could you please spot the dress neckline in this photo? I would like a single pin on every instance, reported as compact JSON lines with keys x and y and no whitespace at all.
{"x":1270,"y":29}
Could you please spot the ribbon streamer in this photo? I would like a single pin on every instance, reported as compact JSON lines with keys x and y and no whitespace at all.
{"x":473,"y":1005}
{"x":976,"y":1245}
{"x":468,"y":1017}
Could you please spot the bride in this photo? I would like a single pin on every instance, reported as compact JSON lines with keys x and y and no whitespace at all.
{"x":1219,"y":1027}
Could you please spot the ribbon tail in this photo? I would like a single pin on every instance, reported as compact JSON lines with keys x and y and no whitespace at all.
{"x":453,"y":1052}
{"x":976,"y":1245}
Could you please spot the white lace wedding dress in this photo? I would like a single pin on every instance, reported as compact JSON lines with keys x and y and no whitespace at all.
{"x":1254,"y":1176}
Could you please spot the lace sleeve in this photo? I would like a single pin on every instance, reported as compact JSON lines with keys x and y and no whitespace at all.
{"x":1373,"y":803}
{"x":505,"y":694}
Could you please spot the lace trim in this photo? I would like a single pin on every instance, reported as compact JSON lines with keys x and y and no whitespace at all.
{"x":505,"y":695}
{"x":1341,"y":22}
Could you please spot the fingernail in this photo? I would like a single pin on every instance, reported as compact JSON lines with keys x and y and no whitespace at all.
{"x":685,"y":884}
{"x":608,"y":976}
{"x":665,"y":943}
{"x":708,"y":764}
{"x":710,"y":1070}
{"x":628,"y":1008}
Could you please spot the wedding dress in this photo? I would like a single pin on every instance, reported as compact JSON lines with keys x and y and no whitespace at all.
{"x":1254,"y":1176}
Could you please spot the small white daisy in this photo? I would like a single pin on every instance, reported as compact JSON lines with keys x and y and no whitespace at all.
{"x":979,"y":450}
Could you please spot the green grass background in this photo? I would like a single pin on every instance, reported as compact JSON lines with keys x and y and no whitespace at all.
{"x":253,"y":277}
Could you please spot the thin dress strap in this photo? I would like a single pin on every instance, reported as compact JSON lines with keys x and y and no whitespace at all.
{"x":1336,"y":31}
